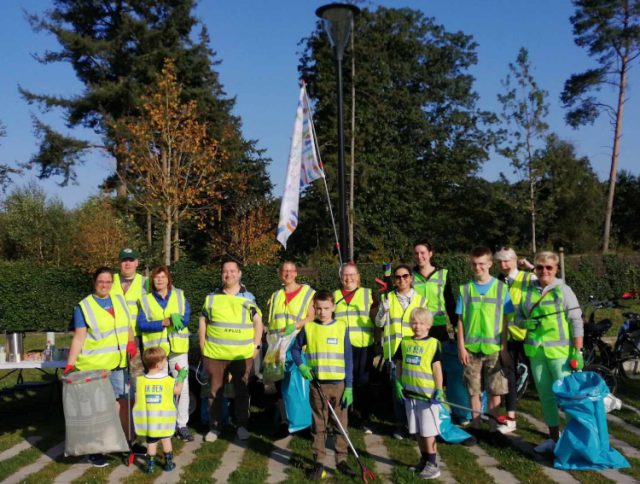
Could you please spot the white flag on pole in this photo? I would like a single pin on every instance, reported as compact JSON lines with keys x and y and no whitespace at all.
{"x":303,"y":168}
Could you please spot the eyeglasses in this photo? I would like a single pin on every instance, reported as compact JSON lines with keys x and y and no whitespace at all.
{"x":402,"y":276}
{"x":540,"y":267}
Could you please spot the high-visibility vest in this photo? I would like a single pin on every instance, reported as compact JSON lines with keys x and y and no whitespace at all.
{"x":553,"y":333}
{"x":167,"y":339}
{"x":433,"y":290}
{"x":516,"y":291}
{"x":400,"y":322}
{"x":230,"y":330}
{"x":154,"y":413}
{"x":482,"y":317}
{"x":325,"y":349}
{"x":356,"y":315}
{"x":105,"y":346}
{"x":136,"y":290}
{"x":283,"y":314}
{"x":417,"y":374}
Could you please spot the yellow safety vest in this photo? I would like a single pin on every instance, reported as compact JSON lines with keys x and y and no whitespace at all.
{"x":282,"y":314}
{"x":356,"y":315}
{"x":433,"y":290}
{"x":553,"y":333}
{"x":154,"y":413}
{"x":136,"y":290}
{"x":230,"y":330}
{"x":400,"y":322}
{"x":417,"y":374}
{"x":516,"y":290}
{"x":167,"y":339}
{"x":482,"y":317}
{"x":105,"y":346}
{"x":325,"y":349}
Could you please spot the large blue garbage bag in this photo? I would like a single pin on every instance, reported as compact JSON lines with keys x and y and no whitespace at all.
{"x":448,"y":431}
{"x":295,"y":393}
{"x":456,"y":391}
{"x":584,"y":444}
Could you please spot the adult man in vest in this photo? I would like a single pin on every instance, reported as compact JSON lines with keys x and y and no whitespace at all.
{"x":433,"y":283}
{"x":354,"y":305}
{"x":517,"y":281}
{"x":483,"y":306}
{"x":230,"y":335}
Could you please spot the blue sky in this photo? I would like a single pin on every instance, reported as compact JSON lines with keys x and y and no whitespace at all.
{"x":257,"y":42}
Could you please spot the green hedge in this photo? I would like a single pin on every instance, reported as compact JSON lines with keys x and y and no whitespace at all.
{"x":35,"y":298}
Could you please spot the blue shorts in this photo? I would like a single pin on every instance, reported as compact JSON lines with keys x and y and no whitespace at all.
{"x":117,"y":379}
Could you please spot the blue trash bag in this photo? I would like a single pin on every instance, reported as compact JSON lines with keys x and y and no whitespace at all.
{"x":448,"y":431}
{"x":456,"y":391}
{"x":584,"y":444}
{"x":295,"y":394}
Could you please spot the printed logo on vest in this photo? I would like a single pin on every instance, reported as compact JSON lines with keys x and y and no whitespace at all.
{"x":332,"y":341}
{"x":153,"y":398}
{"x":412,"y":360}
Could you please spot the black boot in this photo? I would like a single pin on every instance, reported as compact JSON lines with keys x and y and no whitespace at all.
{"x":169,"y":465}
{"x":151,"y":464}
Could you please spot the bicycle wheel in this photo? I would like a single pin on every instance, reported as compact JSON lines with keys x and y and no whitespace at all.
{"x":607,"y":375}
{"x":630,"y":367}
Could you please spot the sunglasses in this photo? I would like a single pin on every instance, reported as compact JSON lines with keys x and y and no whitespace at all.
{"x":402,"y":276}
{"x":541,"y":267}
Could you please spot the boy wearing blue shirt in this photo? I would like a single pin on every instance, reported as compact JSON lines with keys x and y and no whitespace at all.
{"x":329,"y":358}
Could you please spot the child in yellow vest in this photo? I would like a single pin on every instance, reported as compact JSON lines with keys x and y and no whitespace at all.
{"x":419,"y":385}
{"x":155,"y":413}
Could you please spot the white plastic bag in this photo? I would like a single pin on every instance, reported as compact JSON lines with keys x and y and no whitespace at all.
{"x":611,"y":403}
{"x":273,"y":364}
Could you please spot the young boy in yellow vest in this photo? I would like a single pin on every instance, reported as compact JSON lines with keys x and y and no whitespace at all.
{"x":483,"y":306}
{"x":330,"y":361}
{"x":419,"y":385}
{"x":154,"y":413}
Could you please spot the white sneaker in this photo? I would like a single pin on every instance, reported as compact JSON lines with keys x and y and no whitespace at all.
{"x":545,"y":447}
{"x":211,"y":436}
{"x":507,"y":427}
{"x":366,"y":430}
{"x":430,"y":471}
{"x":243,"y":434}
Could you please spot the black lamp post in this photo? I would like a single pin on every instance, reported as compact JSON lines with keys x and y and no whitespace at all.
{"x":337,"y":19}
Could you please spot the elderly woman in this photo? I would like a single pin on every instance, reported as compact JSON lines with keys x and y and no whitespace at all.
{"x":354,"y":305}
{"x":550,"y":313}
{"x":101,"y":340}
{"x":164,"y":321}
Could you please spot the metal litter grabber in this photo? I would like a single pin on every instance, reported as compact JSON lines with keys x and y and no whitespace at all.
{"x":483,"y":416}
{"x":367,"y":475}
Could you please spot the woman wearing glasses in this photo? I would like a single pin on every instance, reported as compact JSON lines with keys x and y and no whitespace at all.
{"x":550,"y":313}
{"x":394,"y":316}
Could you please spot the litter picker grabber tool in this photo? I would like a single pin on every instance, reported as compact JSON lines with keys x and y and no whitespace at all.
{"x":131,"y":457}
{"x":367,"y":475}
{"x":483,"y":416}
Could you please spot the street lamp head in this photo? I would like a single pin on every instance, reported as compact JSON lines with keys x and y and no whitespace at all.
{"x":337,"y":18}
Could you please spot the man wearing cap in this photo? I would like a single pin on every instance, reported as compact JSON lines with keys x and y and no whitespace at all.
{"x":230,"y":334}
{"x":132,"y":286}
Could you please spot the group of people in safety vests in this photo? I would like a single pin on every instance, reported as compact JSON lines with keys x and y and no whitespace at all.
{"x":493,"y":323}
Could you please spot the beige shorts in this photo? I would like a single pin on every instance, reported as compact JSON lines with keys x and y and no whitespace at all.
{"x":484,"y":372}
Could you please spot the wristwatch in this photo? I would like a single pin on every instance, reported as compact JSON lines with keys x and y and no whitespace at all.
{"x":258,"y":347}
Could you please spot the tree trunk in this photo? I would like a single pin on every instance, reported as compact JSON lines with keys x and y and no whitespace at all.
{"x":615,"y":154}
{"x":176,"y":239}
{"x":121,"y":184}
{"x":149,"y":230}
{"x":166,"y":243}
{"x":532,"y":207}
{"x":352,"y":169}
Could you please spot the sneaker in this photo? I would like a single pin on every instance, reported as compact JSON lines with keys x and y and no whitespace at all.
{"x":243,"y":433}
{"x":545,"y":447}
{"x":471,"y":440}
{"x":137,"y":448}
{"x":367,"y":430}
{"x":151,"y":465}
{"x":507,"y":427}
{"x":211,"y":436}
{"x":183,"y":433}
{"x":344,"y":469}
{"x":430,"y":471}
{"x":465,"y":423}
{"x":419,"y":467}
{"x":98,"y":460}
{"x":316,"y":473}
{"x":398,"y":433}
{"x":169,"y":465}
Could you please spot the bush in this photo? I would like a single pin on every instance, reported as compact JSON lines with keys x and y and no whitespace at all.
{"x":41,"y":298}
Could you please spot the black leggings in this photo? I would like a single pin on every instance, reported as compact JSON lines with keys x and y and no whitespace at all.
{"x":516,"y":351}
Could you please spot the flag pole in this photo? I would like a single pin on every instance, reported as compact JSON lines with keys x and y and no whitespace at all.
{"x":324,"y":178}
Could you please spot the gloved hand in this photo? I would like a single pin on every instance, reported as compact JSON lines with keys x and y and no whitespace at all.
{"x":176,"y":322}
{"x":438,"y":397}
{"x":385,"y":304}
{"x":399,"y":390}
{"x":132,"y":349}
{"x":305,"y":371}
{"x":530,"y":324}
{"x":68,"y":369}
{"x":183,"y":373}
{"x":290,"y":328}
{"x":576,"y":360}
{"x":347,"y":397}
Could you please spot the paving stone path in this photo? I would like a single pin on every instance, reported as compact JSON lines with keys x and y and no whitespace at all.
{"x":230,"y":460}
{"x":490,"y":466}
{"x":279,"y":461}
{"x":183,"y":459}
{"x":16,"y":449}
{"x":50,"y":455}
{"x":378,"y":452}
